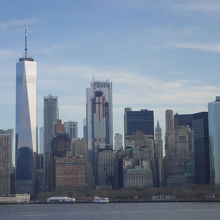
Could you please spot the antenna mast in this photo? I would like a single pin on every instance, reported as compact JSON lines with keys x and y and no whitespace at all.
{"x":25,"y":42}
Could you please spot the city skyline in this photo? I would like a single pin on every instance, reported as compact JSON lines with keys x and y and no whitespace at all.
{"x":160,"y":52}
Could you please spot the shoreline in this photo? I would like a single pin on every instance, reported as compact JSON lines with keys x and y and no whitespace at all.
{"x":130,"y":201}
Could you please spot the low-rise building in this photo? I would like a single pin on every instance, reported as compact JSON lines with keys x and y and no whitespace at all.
{"x":18,"y":198}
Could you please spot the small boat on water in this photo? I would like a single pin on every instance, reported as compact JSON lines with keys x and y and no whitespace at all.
{"x":98,"y":199}
{"x":60,"y":200}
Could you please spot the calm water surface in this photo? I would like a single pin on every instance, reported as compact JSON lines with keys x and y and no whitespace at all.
{"x":114,"y":211}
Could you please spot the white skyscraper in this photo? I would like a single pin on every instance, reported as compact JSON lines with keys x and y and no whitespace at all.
{"x":99,"y":114}
{"x":214,"y":139}
{"x":26,"y":121}
{"x":71,"y":128}
{"x":99,"y":119}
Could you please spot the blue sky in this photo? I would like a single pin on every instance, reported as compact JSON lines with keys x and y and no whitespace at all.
{"x":159,"y":54}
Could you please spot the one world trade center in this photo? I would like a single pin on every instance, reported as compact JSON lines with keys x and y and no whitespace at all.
{"x":26,"y":122}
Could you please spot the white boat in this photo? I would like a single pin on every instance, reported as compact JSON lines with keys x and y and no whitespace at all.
{"x":98,"y":199}
{"x":60,"y":200}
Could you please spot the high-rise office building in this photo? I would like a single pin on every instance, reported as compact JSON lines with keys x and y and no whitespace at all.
{"x":51,"y":115}
{"x":106,"y":159}
{"x":158,"y":155}
{"x":99,"y":116}
{"x":41,"y":141}
{"x":214,"y":139}
{"x":142,"y":120}
{"x":118,"y":142}
{"x":26,"y":121}
{"x":179,"y":160}
{"x":201,"y":147}
{"x":71,"y":128}
{"x":5,"y":161}
{"x":169,"y":134}
{"x":99,"y":119}
{"x":183,"y":120}
{"x":85,"y":131}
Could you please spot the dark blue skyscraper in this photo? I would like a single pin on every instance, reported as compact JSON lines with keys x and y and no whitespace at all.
{"x":183,"y":120}
{"x":142,"y":120}
{"x":201,"y":148}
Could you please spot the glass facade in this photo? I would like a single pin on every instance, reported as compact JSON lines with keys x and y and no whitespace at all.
{"x":139,"y":120}
{"x":201,"y":148}
{"x":183,"y":120}
{"x":26,"y":123}
{"x":214,"y":139}
{"x":51,"y":115}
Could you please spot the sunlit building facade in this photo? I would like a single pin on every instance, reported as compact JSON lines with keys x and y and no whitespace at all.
{"x":99,"y":119}
{"x":214,"y":139}
{"x":26,"y":122}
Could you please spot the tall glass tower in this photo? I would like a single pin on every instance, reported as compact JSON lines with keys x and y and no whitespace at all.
{"x":99,"y":119}
{"x":214,"y":139}
{"x":51,"y":115}
{"x":26,"y":122}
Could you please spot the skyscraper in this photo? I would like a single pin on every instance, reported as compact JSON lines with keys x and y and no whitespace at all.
{"x":201,"y":148}
{"x":51,"y":116}
{"x":214,"y":135}
{"x":71,"y":128}
{"x":169,"y":134}
{"x":142,"y":120}
{"x":99,"y":119}
{"x":26,"y":121}
{"x":183,"y":120}
{"x":118,"y":142}
{"x":99,"y":114}
{"x":5,"y":161}
{"x":158,"y":155}
{"x":41,"y":141}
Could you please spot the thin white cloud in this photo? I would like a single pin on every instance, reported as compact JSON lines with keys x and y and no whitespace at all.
{"x":198,"y":46}
{"x":5,"y":25}
{"x":130,"y":88}
{"x":7,"y":53}
{"x":201,"y":6}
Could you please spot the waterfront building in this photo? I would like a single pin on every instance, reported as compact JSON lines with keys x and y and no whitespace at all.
{"x":5,"y":161}
{"x":142,"y":120}
{"x":17,"y":198}
{"x":51,"y":116}
{"x":214,"y":139}
{"x":71,"y":174}
{"x":71,"y":128}
{"x":201,"y":148}
{"x":118,"y":145}
{"x":26,"y":121}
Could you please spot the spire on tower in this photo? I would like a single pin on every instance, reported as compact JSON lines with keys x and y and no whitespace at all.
{"x":158,"y":124}
{"x":25,"y":42}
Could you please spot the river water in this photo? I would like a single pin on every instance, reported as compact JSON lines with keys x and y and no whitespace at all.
{"x":112,"y":211}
